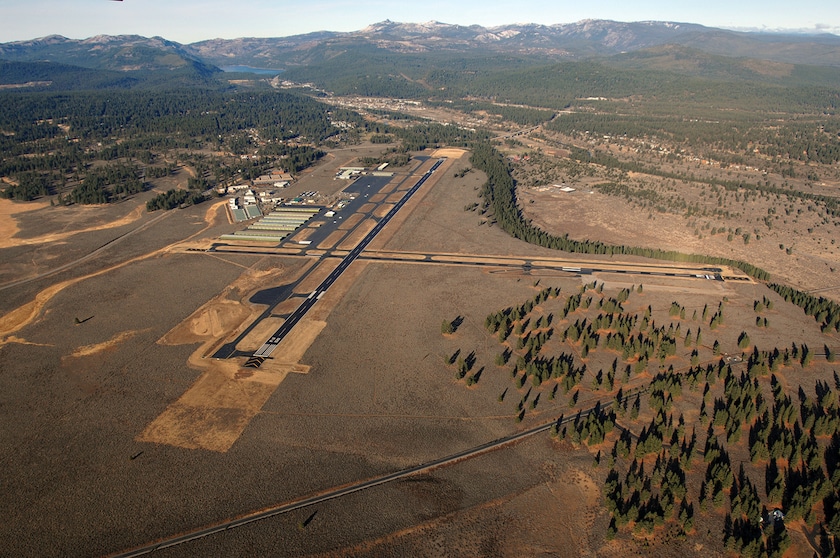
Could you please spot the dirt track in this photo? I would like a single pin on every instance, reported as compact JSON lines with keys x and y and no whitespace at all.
{"x":9,"y":227}
{"x":13,"y":321}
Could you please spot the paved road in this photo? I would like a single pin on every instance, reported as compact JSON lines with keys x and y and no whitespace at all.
{"x":528,"y":265}
{"x":707,"y":273}
{"x":292,"y":320}
{"x":362,"y":485}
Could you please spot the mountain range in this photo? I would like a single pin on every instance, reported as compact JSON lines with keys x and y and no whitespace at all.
{"x":657,"y":42}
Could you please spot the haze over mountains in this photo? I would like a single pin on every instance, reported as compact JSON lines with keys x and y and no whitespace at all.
{"x":129,"y":60}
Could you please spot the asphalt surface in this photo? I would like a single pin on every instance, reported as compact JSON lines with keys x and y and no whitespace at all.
{"x":291,"y":321}
{"x":707,"y":273}
{"x":362,"y":188}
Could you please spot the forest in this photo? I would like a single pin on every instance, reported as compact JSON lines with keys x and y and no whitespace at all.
{"x":536,"y":82}
{"x":56,"y":143}
{"x":749,"y":450}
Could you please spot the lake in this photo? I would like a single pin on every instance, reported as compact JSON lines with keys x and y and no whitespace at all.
{"x":250,"y":70}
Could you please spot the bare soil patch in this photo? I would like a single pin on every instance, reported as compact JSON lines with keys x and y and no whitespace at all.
{"x":304,"y":234}
{"x":75,"y":217}
{"x":383,"y":210}
{"x":227,"y":313}
{"x":351,"y":221}
{"x":112,"y":343}
{"x":212,"y":320}
{"x":395,"y":197}
{"x":8,"y":224}
{"x":387,"y":189}
{"x":212,"y":414}
{"x":449,"y":152}
{"x":261,"y":332}
{"x":331,"y":240}
{"x":357,"y":235}
{"x":290,"y":351}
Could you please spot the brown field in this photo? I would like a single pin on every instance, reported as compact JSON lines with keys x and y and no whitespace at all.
{"x":303,"y":234}
{"x":366,"y":208}
{"x":395,"y":197}
{"x":351,"y":221}
{"x":311,"y":282}
{"x":357,"y":235}
{"x":789,"y":238}
{"x":387,"y":189}
{"x":383,"y":210}
{"x":331,"y":240}
{"x":120,"y":429}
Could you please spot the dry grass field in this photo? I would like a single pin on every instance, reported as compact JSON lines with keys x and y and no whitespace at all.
{"x":119,"y":430}
{"x":793,"y":239}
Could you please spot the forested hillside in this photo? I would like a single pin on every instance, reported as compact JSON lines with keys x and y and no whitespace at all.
{"x":50,"y":142}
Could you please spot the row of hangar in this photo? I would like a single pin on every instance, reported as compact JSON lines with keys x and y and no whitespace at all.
{"x":275,"y":226}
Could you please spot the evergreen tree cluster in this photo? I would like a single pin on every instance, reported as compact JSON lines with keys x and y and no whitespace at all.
{"x":793,"y":445}
{"x":591,"y":428}
{"x":825,"y":311}
{"x":30,"y":185}
{"x":664,"y":388}
{"x":796,"y":141}
{"x":644,"y":501}
{"x":174,"y":198}
{"x":104,"y":183}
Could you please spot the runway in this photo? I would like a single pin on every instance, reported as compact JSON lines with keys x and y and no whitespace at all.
{"x":270,"y":345}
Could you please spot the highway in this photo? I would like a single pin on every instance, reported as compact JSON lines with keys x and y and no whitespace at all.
{"x":362,"y":485}
{"x":271,"y":344}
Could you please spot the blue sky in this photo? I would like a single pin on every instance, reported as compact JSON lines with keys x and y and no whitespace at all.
{"x":188,"y":21}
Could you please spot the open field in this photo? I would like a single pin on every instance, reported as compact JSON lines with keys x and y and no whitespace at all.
{"x":789,"y":238}
{"x":118,"y":430}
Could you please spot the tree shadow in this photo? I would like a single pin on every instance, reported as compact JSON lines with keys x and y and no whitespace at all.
{"x":470,"y":360}
{"x":454,"y":357}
